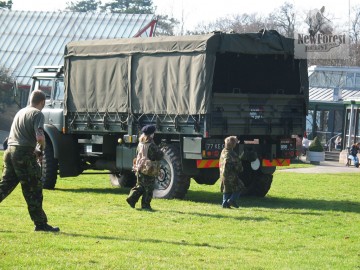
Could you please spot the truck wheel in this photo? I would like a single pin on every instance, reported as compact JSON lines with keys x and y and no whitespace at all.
{"x":257,"y":183}
{"x":50,"y":166}
{"x":126,"y":179}
{"x":171,"y":183}
{"x":207,"y":176}
{"x":261,"y":185}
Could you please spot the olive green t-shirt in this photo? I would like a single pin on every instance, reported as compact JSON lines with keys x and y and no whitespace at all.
{"x":24,"y":126}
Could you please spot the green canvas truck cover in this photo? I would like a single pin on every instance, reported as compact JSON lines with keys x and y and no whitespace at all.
{"x":157,"y":75}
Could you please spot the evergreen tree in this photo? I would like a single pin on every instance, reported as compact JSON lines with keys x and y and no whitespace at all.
{"x":83,"y":6}
{"x":129,"y":6}
{"x":6,"y":83}
{"x":6,"y":4}
{"x":165,"y":26}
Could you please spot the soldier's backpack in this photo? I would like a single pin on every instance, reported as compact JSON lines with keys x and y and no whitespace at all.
{"x":143,"y":164}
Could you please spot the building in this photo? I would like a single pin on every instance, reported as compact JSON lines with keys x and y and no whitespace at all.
{"x":334,"y":93}
{"x":38,"y":38}
{"x":330,"y":88}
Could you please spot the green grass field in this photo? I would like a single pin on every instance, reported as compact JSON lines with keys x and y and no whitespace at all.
{"x":305,"y":222}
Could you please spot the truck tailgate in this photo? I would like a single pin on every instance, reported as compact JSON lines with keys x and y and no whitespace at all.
{"x":243,"y":114}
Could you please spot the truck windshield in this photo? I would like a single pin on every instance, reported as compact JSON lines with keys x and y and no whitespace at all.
{"x":59,"y":90}
{"x":53,"y":89}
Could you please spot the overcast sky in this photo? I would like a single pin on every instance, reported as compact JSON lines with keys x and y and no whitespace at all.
{"x":197,"y":11}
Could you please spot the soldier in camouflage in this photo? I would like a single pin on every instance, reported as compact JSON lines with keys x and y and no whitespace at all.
{"x":230,"y":168}
{"x":21,"y":159}
{"x":146,"y":167}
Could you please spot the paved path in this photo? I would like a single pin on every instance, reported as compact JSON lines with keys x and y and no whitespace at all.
{"x":325,"y":167}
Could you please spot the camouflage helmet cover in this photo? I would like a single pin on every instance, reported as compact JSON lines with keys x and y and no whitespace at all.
{"x":230,"y":142}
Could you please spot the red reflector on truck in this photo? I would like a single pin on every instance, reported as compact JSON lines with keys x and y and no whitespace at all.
{"x":209,"y":163}
{"x":275,"y":162}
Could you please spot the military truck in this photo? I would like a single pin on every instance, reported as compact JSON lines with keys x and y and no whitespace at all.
{"x":196,"y":90}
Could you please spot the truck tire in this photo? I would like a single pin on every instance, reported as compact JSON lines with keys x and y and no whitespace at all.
{"x":50,"y":166}
{"x":256,"y":182}
{"x":207,"y":176}
{"x":126,"y":179}
{"x":171,"y":183}
{"x":261,"y":185}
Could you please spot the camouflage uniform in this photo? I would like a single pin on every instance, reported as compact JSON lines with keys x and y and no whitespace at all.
{"x":145,"y":183}
{"x":20,"y":163}
{"x":230,"y":168}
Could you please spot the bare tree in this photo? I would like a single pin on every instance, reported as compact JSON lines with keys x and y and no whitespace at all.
{"x":355,"y":36}
{"x":240,"y":23}
{"x":355,"y":25}
{"x":283,"y":19}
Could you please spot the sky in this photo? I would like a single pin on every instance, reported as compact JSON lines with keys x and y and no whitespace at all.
{"x":193,"y":12}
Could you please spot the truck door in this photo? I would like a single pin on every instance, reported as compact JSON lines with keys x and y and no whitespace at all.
{"x":54,"y":106}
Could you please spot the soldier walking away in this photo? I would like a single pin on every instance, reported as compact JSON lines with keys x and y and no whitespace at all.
{"x":146,"y":167}
{"x":230,"y":168}
{"x":21,"y":160}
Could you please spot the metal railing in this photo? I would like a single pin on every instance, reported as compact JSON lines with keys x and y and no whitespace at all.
{"x":329,"y":142}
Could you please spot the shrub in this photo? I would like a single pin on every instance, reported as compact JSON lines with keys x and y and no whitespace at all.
{"x":6,"y":83}
{"x":315,"y":146}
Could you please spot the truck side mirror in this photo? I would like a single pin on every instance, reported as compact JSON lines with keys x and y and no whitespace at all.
{"x":15,"y":88}
{"x":16,"y":93}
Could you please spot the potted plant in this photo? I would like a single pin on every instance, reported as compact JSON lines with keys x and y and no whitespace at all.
{"x":315,"y":153}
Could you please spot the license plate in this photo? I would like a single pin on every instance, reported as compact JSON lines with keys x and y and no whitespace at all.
{"x":214,"y":146}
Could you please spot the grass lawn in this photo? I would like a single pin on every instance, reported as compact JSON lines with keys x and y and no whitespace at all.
{"x":305,"y":222}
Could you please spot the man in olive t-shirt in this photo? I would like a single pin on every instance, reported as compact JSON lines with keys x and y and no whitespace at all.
{"x":20,"y":159}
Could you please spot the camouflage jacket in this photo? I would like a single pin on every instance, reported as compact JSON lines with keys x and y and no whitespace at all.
{"x":230,"y":168}
{"x":148,"y":157}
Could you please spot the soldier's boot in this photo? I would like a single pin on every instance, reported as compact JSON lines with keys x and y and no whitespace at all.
{"x":46,"y":228}
{"x":146,"y":207}
{"x":225,"y":205}
{"x":130,"y":202}
{"x":134,"y":195}
{"x":146,"y":200}
{"x":233,"y":203}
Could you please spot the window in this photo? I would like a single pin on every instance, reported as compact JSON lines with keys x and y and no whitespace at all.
{"x":357,"y":80}
{"x":45,"y":86}
{"x":350,"y":80}
{"x":59,"y":90}
{"x":327,"y":79}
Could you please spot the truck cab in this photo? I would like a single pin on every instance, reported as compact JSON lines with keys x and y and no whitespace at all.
{"x":50,"y":80}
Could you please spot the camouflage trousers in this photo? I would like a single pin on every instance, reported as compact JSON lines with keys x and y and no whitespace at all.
{"x":20,"y":166}
{"x":144,"y":187}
